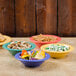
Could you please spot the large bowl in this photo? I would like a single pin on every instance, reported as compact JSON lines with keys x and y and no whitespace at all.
{"x":32,"y":63}
{"x":14,"y":51}
{"x":39,"y":44}
{"x":57,"y":54}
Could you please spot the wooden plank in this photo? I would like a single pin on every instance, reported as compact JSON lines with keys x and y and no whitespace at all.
{"x":7,"y":17}
{"x":25,"y":17}
{"x":65,"y":26}
{"x":46,"y":16}
{"x":73,"y":18}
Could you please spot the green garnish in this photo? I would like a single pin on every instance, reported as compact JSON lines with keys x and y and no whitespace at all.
{"x":57,"y":47}
{"x":47,"y":48}
{"x":34,"y":54}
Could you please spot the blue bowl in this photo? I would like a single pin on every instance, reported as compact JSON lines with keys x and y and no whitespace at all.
{"x":14,"y":51}
{"x":31,"y":63}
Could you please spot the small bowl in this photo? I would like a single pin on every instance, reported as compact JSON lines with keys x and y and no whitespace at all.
{"x":57,"y":54}
{"x":31,"y":63}
{"x":8,"y":39}
{"x":14,"y":51}
{"x":39,"y":44}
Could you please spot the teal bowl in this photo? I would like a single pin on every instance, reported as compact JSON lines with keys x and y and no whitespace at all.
{"x":14,"y":51}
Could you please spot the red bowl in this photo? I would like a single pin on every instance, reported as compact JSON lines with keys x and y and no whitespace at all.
{"x":40,"y":43}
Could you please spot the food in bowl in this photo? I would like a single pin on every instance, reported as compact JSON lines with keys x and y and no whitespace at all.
{"x":57,"y":50}
{"x":18,"y":48}
{"x":19,"y":45}
{"x":58,"y":47}
{"x":40,"y":40}
{"x":44,"y":38}
{"x":32,"y":62}
{"x":2,"y":38}
{"x":35,"y":55}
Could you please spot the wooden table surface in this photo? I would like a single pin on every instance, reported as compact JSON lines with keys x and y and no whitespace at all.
{"x":9,"y":66}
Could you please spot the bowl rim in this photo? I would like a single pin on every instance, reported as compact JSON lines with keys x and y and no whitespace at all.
{"x":5,"y":47}
{"x":8,"y":39}
{"x":58,"y":39}
{"x":18,"y":58}
{"x":46,"y":45}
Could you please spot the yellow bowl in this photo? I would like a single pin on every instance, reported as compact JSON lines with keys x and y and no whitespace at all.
{"x":56,"y":54}
{"x":8,"y":39}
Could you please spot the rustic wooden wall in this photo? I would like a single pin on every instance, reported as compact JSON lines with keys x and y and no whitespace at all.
{"x":25,"y":17}
{"x":67,"y":17}
{"x":46,"y":16}
{"x":7,"y":25}
{"x":31,"y":17}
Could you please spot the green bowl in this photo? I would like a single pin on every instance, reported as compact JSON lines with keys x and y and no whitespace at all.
{"x":15,"y":51}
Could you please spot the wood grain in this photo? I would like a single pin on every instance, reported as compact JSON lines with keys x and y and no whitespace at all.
{"x":65,"y":26}
{"x":73,"y":18}
{"x":7,"y":25}
{"x":46,"y":16}
{"x":25,"y":17}
{"x":30,"y":17}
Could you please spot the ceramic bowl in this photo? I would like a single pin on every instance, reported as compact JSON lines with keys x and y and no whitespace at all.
{"x":57,"y":54}
{"x":14,"y":51}
{"x":32,"y":63}
{"x":39,"y":44}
